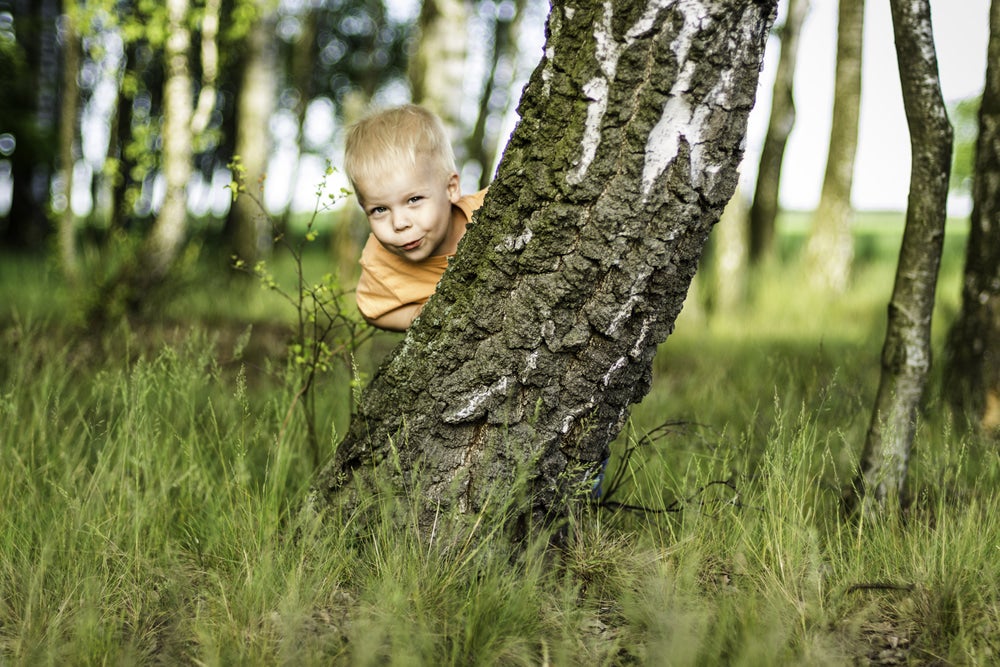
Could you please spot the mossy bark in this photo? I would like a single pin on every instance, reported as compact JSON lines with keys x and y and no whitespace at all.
{"x":543,"y":330}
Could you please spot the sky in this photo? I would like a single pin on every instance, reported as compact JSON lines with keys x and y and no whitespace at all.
{"x":882,"y":167}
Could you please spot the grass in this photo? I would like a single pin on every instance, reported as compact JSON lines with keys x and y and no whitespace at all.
{"x":151,"y":492}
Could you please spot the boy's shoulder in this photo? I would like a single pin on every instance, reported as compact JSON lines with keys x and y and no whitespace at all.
{"x":471,"y":202}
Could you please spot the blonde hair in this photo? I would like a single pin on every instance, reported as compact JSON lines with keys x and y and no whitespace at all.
{"x":405,"y":134}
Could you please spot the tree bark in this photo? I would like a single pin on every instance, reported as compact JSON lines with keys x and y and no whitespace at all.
{"x":764,"y":210}
{"x":543,"y":330}
{"x":830,"y":249}
{"x":165,"y":239}
{"x":906,"y":354}
{"x":972,"y":371}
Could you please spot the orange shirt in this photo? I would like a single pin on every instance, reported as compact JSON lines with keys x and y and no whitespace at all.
{"x":388,"y":281}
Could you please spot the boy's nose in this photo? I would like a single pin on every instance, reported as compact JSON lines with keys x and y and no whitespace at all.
{"x":400,"y":221}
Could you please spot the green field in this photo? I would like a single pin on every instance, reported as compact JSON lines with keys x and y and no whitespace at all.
{"x":152,"y":477}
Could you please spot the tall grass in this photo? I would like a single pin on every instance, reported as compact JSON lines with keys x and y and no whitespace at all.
{"x":151,"y":495}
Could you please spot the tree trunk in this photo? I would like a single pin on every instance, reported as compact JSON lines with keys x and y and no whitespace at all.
{"x":209,"y":67}
{"x":437,"y":66}
{"x":830,"y":249}
{"x":906,"y":355}
{"x":764,"y":210}
{"x":67,"y":138}
{"x":167,"y":235}
{"x":301,"y":66}
{"x":730,"y":254}
{"x":481,"y":143}
{"x":352,"y":225}
{"x":250,"y":226}
{"x":972,"y":373}
{"x":543,"y":331}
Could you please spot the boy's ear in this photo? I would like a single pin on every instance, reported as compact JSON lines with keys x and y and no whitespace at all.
{"x":454,"y":188}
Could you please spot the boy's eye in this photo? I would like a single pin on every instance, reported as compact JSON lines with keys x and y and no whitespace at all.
{"x":376,"y":210}
{"x":414,"y":199}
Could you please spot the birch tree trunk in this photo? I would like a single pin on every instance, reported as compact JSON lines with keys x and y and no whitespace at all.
{"x":67,"y":139}
{"x":251,"y":231}
{"x":164,"y":241}
{"x":972,"y":372}
{"x":906,"y":354}
{"x":543,"y":331}
{"x":830,"y":249}
{"x":764,"y":210}
{"x":437,"y":65}
{"x":730,"y":255}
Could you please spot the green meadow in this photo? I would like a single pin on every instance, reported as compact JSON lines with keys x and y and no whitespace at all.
{"x":153,"y":475}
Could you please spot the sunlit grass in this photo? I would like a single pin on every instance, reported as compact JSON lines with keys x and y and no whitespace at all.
{"x":152,"y":494}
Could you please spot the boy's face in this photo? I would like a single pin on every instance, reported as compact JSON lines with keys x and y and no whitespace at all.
{"x":409,"y":210}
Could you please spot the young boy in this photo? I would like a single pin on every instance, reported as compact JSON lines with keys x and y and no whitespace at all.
{"x":402,"y":168}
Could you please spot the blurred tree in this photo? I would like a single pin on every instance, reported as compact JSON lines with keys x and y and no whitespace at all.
{"x":543,"y":330}
{"x":906,"y":354}
{"x":830,"y":248}
{"x":301,"y":61}
{"x":247,"y":227}
{"x":481,"y":145}
{"x":438,"y":61}
{"x":167,"y":235}
{"x":68,"y":133}
{"x":439,"y":73}
{"x":972,"y":368}
{"x":729,"y":250}
{"x":764,"y":209}
{"x":29,"y":74}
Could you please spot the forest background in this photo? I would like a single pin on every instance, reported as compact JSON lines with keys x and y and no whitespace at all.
{"x":113,"y":550}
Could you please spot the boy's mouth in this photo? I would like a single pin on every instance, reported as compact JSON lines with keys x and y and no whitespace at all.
{"x":412,"y":245}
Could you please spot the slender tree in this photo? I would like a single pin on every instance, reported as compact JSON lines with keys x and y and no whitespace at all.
{"x":830,"y":249}
{"x":68,"y":124}
{"x":764,"y":210}
{"x":482,"y":144}
{"x":167,"y":235}
{"x":543,"y":330}
{"x":438,"y":62}
{"x":906,"y":355}
{"x":729,"y":255}
{"x":250,"y":231}
{"x":972,"y":370}
{"x":301,"y":63}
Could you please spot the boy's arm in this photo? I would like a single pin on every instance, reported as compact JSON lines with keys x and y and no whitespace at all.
{"x":398,"y":319}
